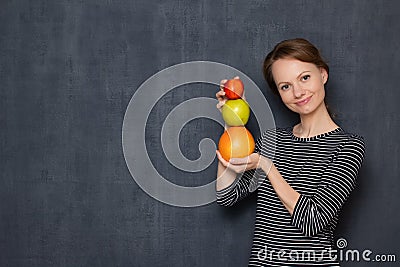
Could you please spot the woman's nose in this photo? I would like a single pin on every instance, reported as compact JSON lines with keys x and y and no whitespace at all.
{"x":298,"y":91}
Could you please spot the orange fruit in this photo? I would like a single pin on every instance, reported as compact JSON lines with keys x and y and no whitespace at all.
{"x":236,"y":142}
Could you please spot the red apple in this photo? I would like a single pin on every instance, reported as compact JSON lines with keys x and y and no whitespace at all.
{"x":234,"y":89}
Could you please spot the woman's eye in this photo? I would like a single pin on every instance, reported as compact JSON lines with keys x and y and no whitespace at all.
{"x":284,"y":87}
{"x":305,"y":77}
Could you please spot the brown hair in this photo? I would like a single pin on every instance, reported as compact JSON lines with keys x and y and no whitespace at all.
{"x":299,"y":49}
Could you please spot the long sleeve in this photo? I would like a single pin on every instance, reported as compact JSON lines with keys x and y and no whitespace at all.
{"x":313,"y":213}
{"x":244,"y":184}
{"x":238,"y":190}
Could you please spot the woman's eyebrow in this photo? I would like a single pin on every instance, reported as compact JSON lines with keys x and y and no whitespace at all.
{"x":301,"y":73}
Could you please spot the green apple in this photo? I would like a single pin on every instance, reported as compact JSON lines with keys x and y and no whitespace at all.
{"x":236,"y":112}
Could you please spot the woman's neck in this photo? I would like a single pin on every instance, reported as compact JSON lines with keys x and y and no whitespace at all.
{"x":315,"y":123}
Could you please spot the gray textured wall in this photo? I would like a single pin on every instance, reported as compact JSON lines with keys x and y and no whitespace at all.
{"x":67,"y":72}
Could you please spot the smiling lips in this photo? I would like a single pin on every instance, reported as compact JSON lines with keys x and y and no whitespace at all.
{"x":304,"y":101}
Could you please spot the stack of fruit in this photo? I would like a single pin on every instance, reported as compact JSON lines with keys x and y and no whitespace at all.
{"x":236,"y":141}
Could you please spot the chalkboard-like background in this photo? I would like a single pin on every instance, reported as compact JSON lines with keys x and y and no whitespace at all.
{"x":67,"y":72}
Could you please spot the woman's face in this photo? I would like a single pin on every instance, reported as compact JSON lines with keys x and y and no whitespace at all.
{"x":300,"y":85}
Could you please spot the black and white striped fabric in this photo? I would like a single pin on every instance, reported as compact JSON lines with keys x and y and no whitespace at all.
{"x":323,"y":169}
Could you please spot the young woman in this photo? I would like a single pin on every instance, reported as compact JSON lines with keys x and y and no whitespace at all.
{"x":306,"y":171}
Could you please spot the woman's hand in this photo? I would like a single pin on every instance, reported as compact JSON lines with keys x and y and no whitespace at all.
{"x":221,"y":94}
{"x":239,"y":165}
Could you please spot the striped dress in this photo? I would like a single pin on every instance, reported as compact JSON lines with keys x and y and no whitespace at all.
{"x":323,"y":169}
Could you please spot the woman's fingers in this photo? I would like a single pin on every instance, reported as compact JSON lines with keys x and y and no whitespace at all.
{"x":222,"y":83}
{"x":239,"y":161}
{"x":221,"y":159}
{"x":237,"y":168}
{"x":220,"y":95}
{"x":226,"y":164}
{"x":221,"y":103}
{"x":245,"y":163}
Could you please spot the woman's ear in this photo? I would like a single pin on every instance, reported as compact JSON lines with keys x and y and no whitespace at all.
{"x":324,"y":75}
